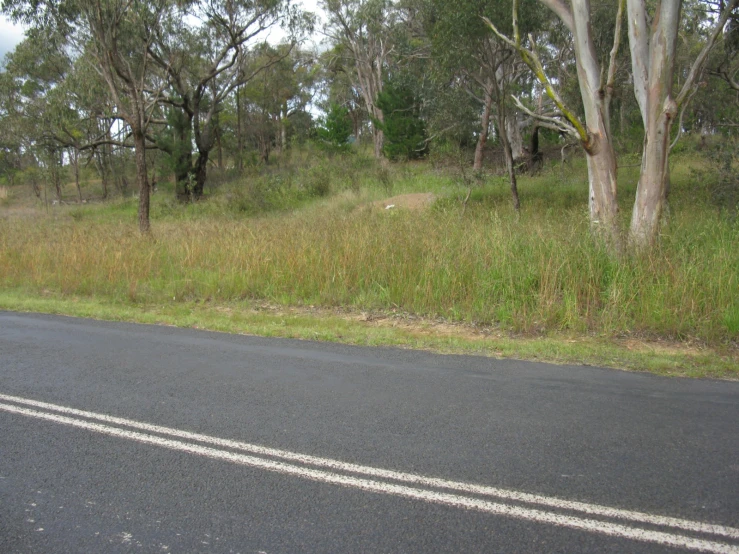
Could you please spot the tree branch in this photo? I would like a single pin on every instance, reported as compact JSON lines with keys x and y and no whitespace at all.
{"x":531,"y":59}
{"x":562,"y":10}
{"x":549,"y":122}
{"x":700,"y":61}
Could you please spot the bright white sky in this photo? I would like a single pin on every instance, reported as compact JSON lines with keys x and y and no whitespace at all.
{"x":11,"y":34}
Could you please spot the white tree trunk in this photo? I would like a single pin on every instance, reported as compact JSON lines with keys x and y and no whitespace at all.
{"x":601,"y":156}
{"x":653,"y":65}
{"x":513,"y":133}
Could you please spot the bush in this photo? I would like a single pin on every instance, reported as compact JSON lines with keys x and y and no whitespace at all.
{"x":405,"y":131}
{"x":335,"y":130}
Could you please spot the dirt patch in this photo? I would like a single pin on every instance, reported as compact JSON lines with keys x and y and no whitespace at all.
{"x":414,"y":201}
{"x":417,"y":325}
{"x":19,"y":211}
{"x":658,"y":346}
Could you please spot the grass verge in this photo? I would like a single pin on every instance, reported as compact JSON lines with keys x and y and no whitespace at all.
{"x":397,"y":330}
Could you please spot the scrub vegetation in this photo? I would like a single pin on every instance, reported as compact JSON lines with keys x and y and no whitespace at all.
{"x":550,"y":179}
{"x":315,"y":235}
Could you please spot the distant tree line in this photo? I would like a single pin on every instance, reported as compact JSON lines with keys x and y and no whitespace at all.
{"x":188,"y":86}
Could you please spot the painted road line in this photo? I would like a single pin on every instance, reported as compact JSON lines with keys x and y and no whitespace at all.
{"x":538,"y":516}
{"x":337,"y":465}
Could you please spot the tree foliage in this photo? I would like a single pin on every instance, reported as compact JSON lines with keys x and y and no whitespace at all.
{"x":405,"y":131}
{"x":111,"y":82}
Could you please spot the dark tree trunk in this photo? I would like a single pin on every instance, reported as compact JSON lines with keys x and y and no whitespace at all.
{"x":102,"y":170}
{"x":200,"y":173}
{"x":182,"y":172}
{"x":56,"y":177}
{"x":239,"y":137}
{"x":265,"y":148}
{"x":142,"y":180}
{"x":484,"y":130}
{"x":35,"y":186}
{"x":76,"y":162}
{"x":536,"y":157}
{"x":220,"y":149}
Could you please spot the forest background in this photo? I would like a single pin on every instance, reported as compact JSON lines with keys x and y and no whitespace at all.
{"x":542,"y":179}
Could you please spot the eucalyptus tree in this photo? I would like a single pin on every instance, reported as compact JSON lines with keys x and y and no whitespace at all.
{"x":726,"y":63}
{"x":33,"y":71}
{"x":283,"y":88}
{"x":362,"y":31}
{"x":339,"y":88}
{"x":652,"y":32}
{"x":204,"y":63}
{"x":82,"y":117}
{"x":296,"y":77}
{"x":116,"y":35}
{"x":11,"y":120}
{"x":484,"y":65}
{"x":119,"y":34}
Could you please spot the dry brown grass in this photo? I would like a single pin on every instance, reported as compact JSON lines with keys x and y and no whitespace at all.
{"x":537,"y":274}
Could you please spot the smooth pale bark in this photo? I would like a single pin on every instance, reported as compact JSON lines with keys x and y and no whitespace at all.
{"x":595,"y":134}
{"x":660,"y":109}
{"x":283,"y":134}
{"x":369,"y":52}
{"x":369,"y":81}
{"x":601,"y":157}
{"x":513,"y":132}
{"x":653,"y":62}
{"x":508,"y":155}
{"x":602,"y":181}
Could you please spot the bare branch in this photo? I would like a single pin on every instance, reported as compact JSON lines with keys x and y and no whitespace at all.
{"x":562,"y":10}
{"x":532,"y":60}
{"x":614,"y":50}
{"x":547,"y":121}
{"x":680,"y":119}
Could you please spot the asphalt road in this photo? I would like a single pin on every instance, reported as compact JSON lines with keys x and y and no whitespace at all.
{"x":129,"y":438}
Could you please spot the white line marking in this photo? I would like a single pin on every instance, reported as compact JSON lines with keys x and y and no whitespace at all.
{"x":592,"y":509}
{"x":448,"y":499}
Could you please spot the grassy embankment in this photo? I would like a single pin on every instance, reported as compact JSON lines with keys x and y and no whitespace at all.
{"x":322,"y":263}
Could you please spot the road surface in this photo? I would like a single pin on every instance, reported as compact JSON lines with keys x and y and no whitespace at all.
{"x":129,"y":438}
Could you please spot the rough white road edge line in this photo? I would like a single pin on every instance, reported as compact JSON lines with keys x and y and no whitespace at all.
{"x":539,"y":516}
{"x":592,"y":509}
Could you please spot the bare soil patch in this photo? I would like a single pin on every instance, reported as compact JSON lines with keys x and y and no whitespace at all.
{"x":19,"y":211}
{"x":413,"y":201}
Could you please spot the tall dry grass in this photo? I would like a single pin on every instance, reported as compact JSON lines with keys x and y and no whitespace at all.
{"x":541,"y":272}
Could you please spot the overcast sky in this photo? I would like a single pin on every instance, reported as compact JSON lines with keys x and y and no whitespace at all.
{"x":10,"y":34}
